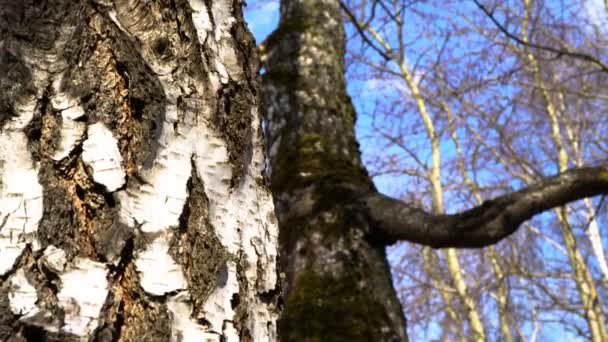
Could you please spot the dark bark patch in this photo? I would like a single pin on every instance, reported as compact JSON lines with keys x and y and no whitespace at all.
{"x":130,"y":314}
{"x":115,"y":87}
{"x":111,"y":320}
{"x":147,"y":322}
{"x":34,"y":333}
{"x":196,"y":247}
{"x":14,"y":327}
{"x":58,"y":225}
{"x":125,"y":301}
{"x":50,"y":134}
{"x":144,"y":320}
{"x":79,"y":216}
{"x":240,"y":307}
{"x":46,"y":284}
{"x":7,"y":318}
{"x":306,"y":159}
{"x":161,"y":46}
{"x":233,"y":116}
{"x":33,"y":132}
{"x":233,"y":119}
{"x":16,"y":83}
{"x":111,"y":236}
{"x":43,"y":131}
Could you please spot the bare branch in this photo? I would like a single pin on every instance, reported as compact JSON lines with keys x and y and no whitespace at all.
{"x":361,"y":31}
{"x":558,"y":52}
{"x":490,"y":222}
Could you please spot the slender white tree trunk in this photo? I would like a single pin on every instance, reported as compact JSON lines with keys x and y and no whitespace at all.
{"x":593,"y":233}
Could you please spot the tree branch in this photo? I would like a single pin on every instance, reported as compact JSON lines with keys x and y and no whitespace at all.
{"x":361,"y":30}
{"x":557,"y":51}
{"x":488,"y":223}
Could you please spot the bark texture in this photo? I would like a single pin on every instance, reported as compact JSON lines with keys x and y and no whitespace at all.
{"x":338,"y":284}
{"x":133,"y":205}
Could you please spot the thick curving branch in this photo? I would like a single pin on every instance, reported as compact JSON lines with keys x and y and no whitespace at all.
{"x":488,"y":223}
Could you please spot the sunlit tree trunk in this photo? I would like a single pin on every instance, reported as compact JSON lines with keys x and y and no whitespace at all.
{"x":338,"y":285}
{"x":454,"y":318}
{"x":133,"y":205}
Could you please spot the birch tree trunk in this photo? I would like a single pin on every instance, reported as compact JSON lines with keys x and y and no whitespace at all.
{"x":338,"y":284}
{"x":133,"y":205}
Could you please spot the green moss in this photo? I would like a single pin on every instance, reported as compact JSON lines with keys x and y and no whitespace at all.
{"x":328,"y":308}
{"x":310,"y":161}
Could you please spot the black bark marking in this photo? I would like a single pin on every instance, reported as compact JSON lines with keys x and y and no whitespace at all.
{"x":196,"y":246}
{"x":58,"y":225}
{"x":16,"y":83}
{"x":233,"y":120}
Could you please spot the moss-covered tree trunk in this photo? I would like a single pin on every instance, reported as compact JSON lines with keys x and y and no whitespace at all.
{"x":338,"y":285}
{"x":132,"y":200}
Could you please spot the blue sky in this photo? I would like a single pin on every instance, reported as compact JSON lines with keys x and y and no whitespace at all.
{"x":262,"y":17}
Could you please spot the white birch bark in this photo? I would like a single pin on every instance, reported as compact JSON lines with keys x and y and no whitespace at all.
{"x":191,"y":188}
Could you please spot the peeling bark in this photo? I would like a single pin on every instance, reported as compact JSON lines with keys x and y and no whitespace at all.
{"x":133,"y":204}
